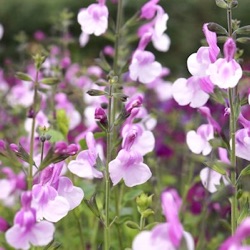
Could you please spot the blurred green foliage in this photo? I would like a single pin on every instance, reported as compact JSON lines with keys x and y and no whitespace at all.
{"x":184,"y":25}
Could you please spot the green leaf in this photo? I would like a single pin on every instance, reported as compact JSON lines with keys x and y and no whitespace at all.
{"x":97,"y":136}
{"x":218,"y":29}
{"x":52,"y":245}
{"x":132,"y":225}
{"x":24,"y":77}
{"x":92,"y":205}
{"x":96,"y":92}
{"x":244,"y":40}
{"x":219,"y":167}
{"x":55,"y":135}
{"x":50,"y":81}
{"x":151,"y":225}
{"x":245,"y":171}
{"x":245,"y":212}
{"x":245,"y":30}
{"x":103,"y":63}
{"x":221,"y":3}
{"x":62,"y":121}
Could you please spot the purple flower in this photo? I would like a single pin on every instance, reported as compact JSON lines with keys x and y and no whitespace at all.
{"x":94,"y":19}
{"x":235,"y":242}
{"x":55,"y":195}
{"x":128,"y":165}
{"x":165,"y":236}
{"x":148,"y":10}
{"x":198,"y":142}
{"x":84,"y":164}
{"x":242,"y":145}
{"x":226,"y":72}
{"x":26,"y":231}
{"x":12,"y":185}
{"x":189,"y":91}
{"x":143,"y":65}
{"x":4,"y":225}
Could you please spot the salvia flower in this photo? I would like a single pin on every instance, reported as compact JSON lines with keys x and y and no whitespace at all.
{"x":4,"y":225}
{"x":198,"y":142}
{"x":189,"y":91}
{"x":169,"y":235}
{"x":234,"y":242}
{"x":26,"y":231}
{"x":11,"y":186}
{"x":143,"y":66}
{"x":84,"y":164}
{"x":226,"y":72}
{"x":54,"y":195}
{"x":128,"y":165}
{"x":94,"y":19}
{"x":149,"y":9}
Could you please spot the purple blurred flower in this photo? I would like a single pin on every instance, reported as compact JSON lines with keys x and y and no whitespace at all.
{"x":165,"y":236}
{"x":26,"y":231}
{"x":94,"y":19}
{"x":235,"y":241}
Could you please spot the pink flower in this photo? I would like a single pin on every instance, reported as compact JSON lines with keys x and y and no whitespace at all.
{"x":26,"y":231}
{"x":128,"y":165}
{"x":144,"y":141}
{"x":143,"y":66}
{"x":84,"y":164}
{"x":148,"y":10}
{"x":156,"y":28}
{"x":11,"y":186}
{"x":234,"y":242}
{"x":198,"y":142}
{"x":165,"y":236}
{"x":94,"y":19}
{"x":54,"y":195}
{"x":189,"y":91}
{"x":226,"y":72}
{"x":242,"y":146}
{"x":83,"y":39}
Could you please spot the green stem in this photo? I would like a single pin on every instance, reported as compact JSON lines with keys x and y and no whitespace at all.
{"x":231,"y":97}
{"x":234,"y":200}
{"x":112,"y":104}
{"x":79,"y":225}
{"x":142,"y":223}
{"x":32,"y":137}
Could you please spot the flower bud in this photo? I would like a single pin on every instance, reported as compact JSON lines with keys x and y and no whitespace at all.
{"x":96,"y":92}
{"x":72,"y":149}
{"x":143,"y":202}
{"x":229,"y":49}
{"x":101,"y":118}
{"x":4,"y":225}
{"x":135,"y":103}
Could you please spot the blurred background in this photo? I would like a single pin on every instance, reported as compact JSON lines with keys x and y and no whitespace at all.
{"x":21,"y":19}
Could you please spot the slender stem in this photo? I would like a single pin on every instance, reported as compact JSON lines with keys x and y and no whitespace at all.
{"x":142,"y":223}
{"x":42,"y":151}
{"x":112,"y":104}
{"x":234,"y":201}
{"x":32,"y":137}
{"x":79,"y":225}
{"x":231,"y":97}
